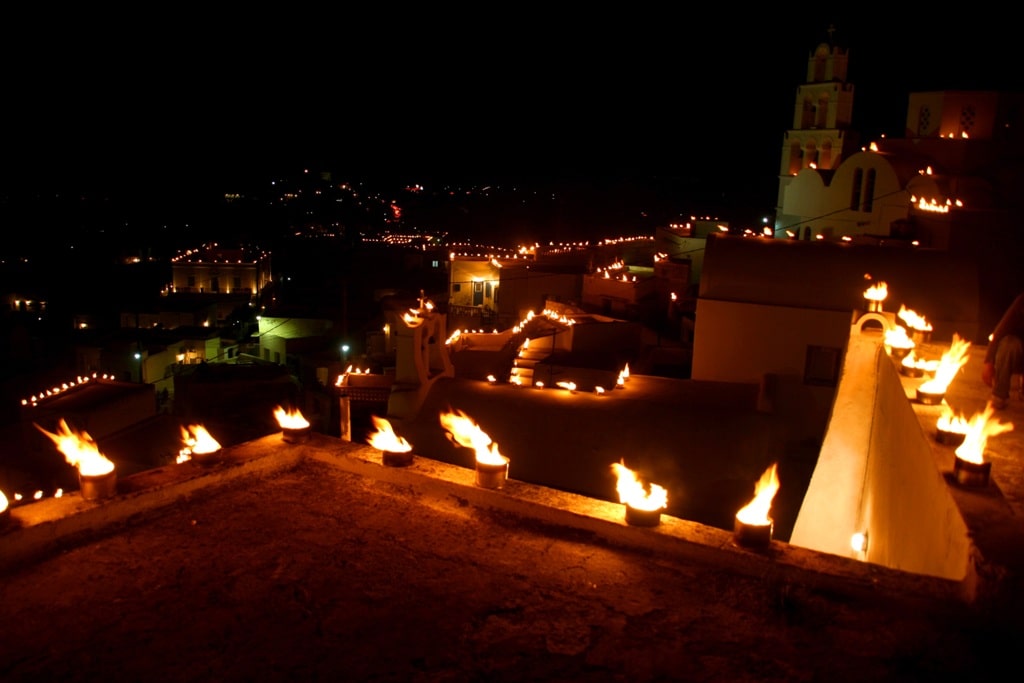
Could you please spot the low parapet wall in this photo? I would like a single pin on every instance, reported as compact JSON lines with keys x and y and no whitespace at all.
{"x":43,"y":528}
{"x":876,"y":476}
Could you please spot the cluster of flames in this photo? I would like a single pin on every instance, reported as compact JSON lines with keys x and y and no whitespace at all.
{"x":978,"y":428}
{"x":548,"y":313}
{"x":17,"y":498}
{"x":342,"y":379}
{"x":879,"y":292}
{"x":197,"y":441}
{"x":897,"y":337}
{"x":607,"y":272}
{"x":64,"y":386}
{"x":81,"y":451}
{"x":414,"y":317}
{"x":568,"y":385}
{"x":518,"y":328}
{"x":935,"y":206}
{"x":458,"y":334}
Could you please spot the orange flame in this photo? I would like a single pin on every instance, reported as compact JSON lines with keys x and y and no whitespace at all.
{"x":911,"y":360}
{"x":290,"y":419}
{"x":79,"y":450}
{"x":877,"y":292}
{"x":3,"y":501}
{"x":465,"y":432}
{"x":897,"y":338}
{"x":913,"y":319}
{"x":198,"y":440}
{"x":385,"y":439}
{"x":756,"y":511}
{"x":952,"y":360}
{"x":633,"y":493}
{"x":948,"y":422}
{"x":979,"y":429}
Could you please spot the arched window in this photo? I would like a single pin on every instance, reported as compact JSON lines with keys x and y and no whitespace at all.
{"x":819,"y":66}
{"x":811,"y":154}
{"x":807,"y":116}
{"x":825,"y":155}
{"x":822,"y":113}
{"x":796,"y":157}
{"x":869,"y":192}
{"x":858,"y":182}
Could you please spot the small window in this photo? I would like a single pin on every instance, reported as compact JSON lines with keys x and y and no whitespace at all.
{"x":924,"y":121}
{"x":456,"y":287}
{"x":822,"y":366}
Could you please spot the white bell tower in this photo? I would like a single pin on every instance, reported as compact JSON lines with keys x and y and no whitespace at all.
{"x":821,"y":136}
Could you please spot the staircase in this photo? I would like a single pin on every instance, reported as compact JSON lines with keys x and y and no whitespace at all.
{"x":530,"y":353}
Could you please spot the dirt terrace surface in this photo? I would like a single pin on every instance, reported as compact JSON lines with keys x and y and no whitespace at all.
{"x":319,"y":574}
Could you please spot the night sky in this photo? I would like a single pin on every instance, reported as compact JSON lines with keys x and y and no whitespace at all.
{"x":194,"y":100}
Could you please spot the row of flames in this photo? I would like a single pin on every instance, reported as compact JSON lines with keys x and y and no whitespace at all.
{"x":81,"y":451}
{"x":63,"y":387}
{"x":463,"y":431}
{"x":977,"y":429}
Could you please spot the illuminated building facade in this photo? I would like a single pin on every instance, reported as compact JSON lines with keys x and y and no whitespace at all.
{"x":474,"y":283}
{"x":215,"y":270}
{"x":950,"y":183}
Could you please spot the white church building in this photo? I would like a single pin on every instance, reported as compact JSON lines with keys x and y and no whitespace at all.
{"x":952,"y":182}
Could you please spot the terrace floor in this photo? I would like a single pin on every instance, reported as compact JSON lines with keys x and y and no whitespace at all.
{"x":329,"y":566}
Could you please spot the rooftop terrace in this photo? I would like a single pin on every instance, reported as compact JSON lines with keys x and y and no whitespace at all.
{"x":315,"y":560}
